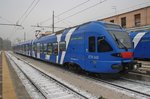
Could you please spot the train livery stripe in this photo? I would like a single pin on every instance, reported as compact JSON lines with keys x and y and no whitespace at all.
{"x":137,"y":38}
{"x":58,"y":40}
{"x":33,"y":53}
{"x":47,"y":57}
{"x":38,"y":55}
{"x":67,"y":39}
{"x":62,"y":57}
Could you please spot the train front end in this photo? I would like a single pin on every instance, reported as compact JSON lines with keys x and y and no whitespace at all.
{"x":110,"y":50}
{"x":123,"y":50}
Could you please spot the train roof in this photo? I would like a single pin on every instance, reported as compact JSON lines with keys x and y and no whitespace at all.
{"x":134,"y":33}
{"x":82,"y":26}
{"x":25,"y":42}
{"x":107,"y":25}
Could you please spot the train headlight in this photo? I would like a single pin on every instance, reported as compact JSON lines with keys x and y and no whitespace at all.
{"x":135,"y":66}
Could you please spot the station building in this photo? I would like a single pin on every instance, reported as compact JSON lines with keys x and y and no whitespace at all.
{"x":134,"y":19}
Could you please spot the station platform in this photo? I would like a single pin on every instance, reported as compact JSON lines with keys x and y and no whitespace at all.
{"x":12,"y":87}
{"x":8,"y":91}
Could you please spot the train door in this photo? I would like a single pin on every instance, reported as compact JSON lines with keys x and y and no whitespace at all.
{"x":91,"y":56}
{"x":54,"y":55}
{"x":98,"y":53}
{"x":38,"y":50}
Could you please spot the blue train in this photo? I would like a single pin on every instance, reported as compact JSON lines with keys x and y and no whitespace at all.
{"x":96,"y":47}
{"x":141,"y":40}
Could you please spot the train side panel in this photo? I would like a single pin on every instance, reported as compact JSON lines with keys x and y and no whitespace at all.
{"x":141,"y":44}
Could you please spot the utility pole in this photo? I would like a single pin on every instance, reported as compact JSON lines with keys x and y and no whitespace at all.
{"x":24,"y":36}
{"x":53,"y":23}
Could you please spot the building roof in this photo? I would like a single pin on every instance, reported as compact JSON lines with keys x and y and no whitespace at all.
{"x":125,"y":13}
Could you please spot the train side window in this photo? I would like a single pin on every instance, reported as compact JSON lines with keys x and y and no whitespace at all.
{"x":27,"y":48}
{"x":103,"y":45}
{"x":35,"y":47}
{"x":62,"y":46}
{"x":45,"y":48}
{"x":55,"y":48}
{"x":24,"y":47}
{"x":41,"y":48}
{"x":38,"y":47}
{"x":92,"y":44}
{"x":49,"y":48}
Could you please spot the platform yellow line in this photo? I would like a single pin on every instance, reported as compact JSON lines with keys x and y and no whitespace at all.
{"x":8,"y":88}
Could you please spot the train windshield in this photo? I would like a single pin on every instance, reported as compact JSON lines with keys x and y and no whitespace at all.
{"x":121,"y":38}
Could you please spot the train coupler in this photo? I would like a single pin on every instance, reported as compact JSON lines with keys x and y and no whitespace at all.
{"x":134,"y":65}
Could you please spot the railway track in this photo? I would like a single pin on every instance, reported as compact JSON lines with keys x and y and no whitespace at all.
{"x":144,"y":63}
{"x":136,"y":87}
{"x":139,"y":88}
{"x":144,"y":70}
{"x":47,"y":86}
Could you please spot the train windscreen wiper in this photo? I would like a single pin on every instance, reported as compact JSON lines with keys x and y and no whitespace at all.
{"x":119,"y":42}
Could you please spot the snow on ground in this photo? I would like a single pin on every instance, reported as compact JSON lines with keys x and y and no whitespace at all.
{"x":34,"y":94}
{"x":60,"y":80}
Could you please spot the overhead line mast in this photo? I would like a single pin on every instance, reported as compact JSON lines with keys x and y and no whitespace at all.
{"x":53,"y":23}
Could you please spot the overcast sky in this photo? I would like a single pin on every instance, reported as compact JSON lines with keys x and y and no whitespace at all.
{"x":13,"y":11}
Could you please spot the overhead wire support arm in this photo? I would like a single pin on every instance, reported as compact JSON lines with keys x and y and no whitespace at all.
{"x":11,"y":24}
{"x":41,"y":26}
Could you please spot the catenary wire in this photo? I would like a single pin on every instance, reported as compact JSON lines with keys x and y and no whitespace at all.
{"x":66,"y":11}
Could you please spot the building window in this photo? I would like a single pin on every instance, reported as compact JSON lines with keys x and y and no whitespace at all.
{"x":123,"y":22}
{"x":112,"y":21}
{"x":137,"y":19}
{"x":92,"y":44}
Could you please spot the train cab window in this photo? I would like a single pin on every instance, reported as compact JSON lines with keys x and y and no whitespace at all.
{"x":103,"y":45}
{"x":92,"y":44}
{"x":49,"y":48}
{"x":62,"y":46}
{"x":55,"y":48}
